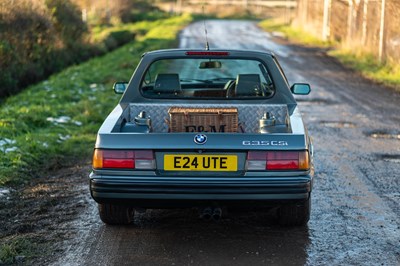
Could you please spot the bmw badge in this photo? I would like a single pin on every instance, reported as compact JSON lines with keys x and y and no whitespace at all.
{"x":200,"y":139}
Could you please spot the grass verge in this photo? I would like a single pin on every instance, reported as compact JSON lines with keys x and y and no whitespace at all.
{"x":54,"y":123}
{"x":18,"y":250}
{"x":293,"y":34}
{"x":387,"y":73}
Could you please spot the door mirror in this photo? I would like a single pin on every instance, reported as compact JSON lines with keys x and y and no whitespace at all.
{"x":300,"y":89}
{"x":120,"y":87}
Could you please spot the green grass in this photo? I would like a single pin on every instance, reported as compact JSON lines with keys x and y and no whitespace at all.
{"x":54,"y":123}
{"x":23,"y":247}
{"x":293,"y":34}
{"x":387,"y":73}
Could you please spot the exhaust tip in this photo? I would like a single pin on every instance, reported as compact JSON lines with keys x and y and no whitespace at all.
{"x":217,"y":214}
{"x":206,"y":214}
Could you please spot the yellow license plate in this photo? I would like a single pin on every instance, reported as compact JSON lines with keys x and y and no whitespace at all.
{"x":183,"y":162}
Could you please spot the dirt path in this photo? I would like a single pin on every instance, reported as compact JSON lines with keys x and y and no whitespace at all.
{"x":42,"y":215}
{"x":356,"y":198}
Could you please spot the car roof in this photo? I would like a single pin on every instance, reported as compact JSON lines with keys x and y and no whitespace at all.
{"x":207,"y":53}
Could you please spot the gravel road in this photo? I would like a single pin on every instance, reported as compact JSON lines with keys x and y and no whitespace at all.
{"x":355,"y":125}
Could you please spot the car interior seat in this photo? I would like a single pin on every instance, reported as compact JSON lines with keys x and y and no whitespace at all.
{"x":167,"y":84}
{"x":248,"y":85}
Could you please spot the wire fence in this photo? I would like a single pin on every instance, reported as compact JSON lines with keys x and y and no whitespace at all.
{"x":372,"y":26}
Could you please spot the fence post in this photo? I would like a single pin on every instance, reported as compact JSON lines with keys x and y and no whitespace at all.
{"x":350,"y":21}
{"x":326,"y":20}
{"x":364,"y":23}
{"x":381,"y":31}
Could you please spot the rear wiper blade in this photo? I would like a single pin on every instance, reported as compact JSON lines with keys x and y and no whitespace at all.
{"x":196,"y":80}
{"x":206,"y":80}
{"x":226,"y":78}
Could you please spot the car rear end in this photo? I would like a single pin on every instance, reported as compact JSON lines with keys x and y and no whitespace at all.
{"x":240,"y":172}
{"x":206,"y":129}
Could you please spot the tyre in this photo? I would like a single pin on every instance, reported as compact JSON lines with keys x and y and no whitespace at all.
{"x":116,"y":214}
{"x":296,"y":214}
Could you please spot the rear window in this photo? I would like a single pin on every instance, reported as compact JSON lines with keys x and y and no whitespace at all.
{"x":207,"y":78}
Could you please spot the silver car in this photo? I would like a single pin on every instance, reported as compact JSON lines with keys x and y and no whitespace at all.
{"x":211,"y":129}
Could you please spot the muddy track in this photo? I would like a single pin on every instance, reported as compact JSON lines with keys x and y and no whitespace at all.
{"x":43,"y":214}
{"x":356,"y":199}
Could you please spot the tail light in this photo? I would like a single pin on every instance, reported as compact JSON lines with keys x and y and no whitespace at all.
{"x":208,"y":53}
{"x":277,"y":160}
{"x":123,"y":159}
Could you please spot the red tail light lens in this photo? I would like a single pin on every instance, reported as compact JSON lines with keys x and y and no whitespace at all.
{"x":208,"y":53}
{"x":277,"y":160}
{"x":123,"y":159}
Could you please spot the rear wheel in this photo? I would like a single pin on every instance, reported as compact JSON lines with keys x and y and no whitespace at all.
{"x":296,"y":214}
{"x":116,"y":214}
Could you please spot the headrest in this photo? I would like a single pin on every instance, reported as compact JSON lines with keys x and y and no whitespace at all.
{"x":248,"y":85}
{"x":167,"y":83}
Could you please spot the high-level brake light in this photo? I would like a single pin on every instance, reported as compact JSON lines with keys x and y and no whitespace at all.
{"x":123,"y":159}
{"x":277,"y":160}
{"x":208,"y":53}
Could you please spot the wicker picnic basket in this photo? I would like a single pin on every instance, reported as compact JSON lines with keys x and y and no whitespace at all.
{"x":184,"y":119}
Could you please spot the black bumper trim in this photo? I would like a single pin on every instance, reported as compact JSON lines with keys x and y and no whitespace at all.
{"x":144,"y":190}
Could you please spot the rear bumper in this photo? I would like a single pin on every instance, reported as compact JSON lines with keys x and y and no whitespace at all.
{"x":167,"y":192}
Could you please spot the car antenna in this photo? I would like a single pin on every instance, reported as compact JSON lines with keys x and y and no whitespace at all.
{"x":205,"y":31}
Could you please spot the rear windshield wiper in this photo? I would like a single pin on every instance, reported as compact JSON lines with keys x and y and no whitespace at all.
{"x":196,"y":80}
{"x":225,"y":79}
{"x":206,"y":80}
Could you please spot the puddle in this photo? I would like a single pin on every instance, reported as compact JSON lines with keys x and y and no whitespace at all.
{"x":339,"y":124}
{"x":393,"y":158}
{"x":318,"y":101}
{"x":384,"y":134}
{"x":4,"y":192}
